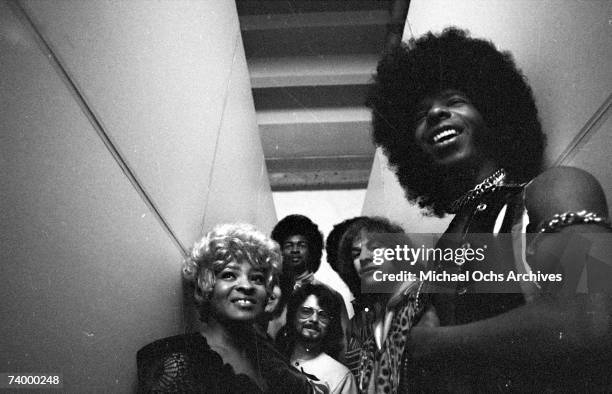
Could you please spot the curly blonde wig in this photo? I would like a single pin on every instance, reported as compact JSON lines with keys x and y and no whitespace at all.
{"x":226,"y":243}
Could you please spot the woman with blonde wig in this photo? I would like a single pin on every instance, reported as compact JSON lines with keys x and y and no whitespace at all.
{"x":232,"y":269}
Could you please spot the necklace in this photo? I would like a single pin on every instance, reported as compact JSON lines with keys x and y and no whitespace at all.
{"x":488,"y":185}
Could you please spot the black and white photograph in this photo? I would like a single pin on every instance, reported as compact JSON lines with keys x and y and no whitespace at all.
{"x":306,"y":196}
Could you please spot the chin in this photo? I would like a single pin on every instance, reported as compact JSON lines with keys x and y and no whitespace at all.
{"x":243,"y":318}
{"x":310,"y":338}
{"x":461,"y":156}
{"x":369,"y":286}
{"x":452,"y":159}
{"x":242,"y":315}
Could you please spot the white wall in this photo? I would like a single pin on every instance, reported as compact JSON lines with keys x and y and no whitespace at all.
{"x":324,"y":207}
{"x":563,"y":47}
{"x":90,"y":273}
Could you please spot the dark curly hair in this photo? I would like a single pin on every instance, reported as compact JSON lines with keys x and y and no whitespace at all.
{"x":330,"y":302}
{"x":332,"y":242}
{"x":301,"y":225}
{"x":344,"y":266}
{"x":492,"y":82}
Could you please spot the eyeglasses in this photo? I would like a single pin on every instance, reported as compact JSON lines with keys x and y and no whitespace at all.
{"x":305,"y":312}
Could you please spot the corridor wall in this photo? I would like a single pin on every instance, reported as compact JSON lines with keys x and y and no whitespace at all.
{"x":563,"y":48}
{"x":126,"y":130}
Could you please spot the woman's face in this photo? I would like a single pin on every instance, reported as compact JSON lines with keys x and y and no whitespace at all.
{"x":239,"y":293}
{"x":446,"y":127}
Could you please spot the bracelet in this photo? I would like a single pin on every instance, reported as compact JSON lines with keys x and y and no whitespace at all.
{"x":565,"y":219}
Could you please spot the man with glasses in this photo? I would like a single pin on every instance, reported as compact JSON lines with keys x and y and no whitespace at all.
{"x":301,"y":245}
{"x":313,"y":338}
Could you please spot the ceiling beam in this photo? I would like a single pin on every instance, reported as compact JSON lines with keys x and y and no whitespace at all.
{"x":312,"y":70}
{"x":318,"y":173}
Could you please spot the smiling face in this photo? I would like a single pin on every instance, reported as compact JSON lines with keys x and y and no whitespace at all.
{"x":239,"y":292}
{"x":447,"y":126}
{"x":296,"y":253}
{"x":311,"y":321}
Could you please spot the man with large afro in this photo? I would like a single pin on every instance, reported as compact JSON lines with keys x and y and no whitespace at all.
{"x":301,"y":244}
{"x":458,"y":122}
{"x":453,"y":60}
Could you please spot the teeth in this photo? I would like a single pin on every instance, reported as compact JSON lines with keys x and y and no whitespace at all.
{"x":444,"y":134}
{"x":244,"y":302}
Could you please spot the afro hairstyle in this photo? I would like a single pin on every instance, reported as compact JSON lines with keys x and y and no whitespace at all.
{"x":301,"y":225}
{"x":493,"y":83}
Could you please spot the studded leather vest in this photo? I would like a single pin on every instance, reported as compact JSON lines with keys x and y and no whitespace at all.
{"x":465,"y":301}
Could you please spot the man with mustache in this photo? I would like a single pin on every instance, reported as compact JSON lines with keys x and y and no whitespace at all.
{"x":301,"y":245}
{"x":313,"y":338}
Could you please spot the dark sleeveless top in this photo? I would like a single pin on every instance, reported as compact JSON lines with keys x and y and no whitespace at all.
{"x":468,"y":301}
{"x":502,"y":212}
{"x":464,"y":302}
{"x":187,"y":364}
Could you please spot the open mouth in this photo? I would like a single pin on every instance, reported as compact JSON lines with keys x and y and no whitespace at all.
{"x":244,"y":301}
{"x":444,"y":135}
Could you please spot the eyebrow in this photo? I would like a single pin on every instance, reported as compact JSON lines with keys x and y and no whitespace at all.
{"x":236,"y":267}
{"x":444,"y":94}
{"x":313,"y":308}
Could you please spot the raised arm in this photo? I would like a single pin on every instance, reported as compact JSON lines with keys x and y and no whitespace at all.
{"x":568,"y":329}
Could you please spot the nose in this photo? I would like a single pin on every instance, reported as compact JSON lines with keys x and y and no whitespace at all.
{"x":365,"y":256}
{"x":314,"y":317}
{"x":365,"y":253}
{"x":437,"y":112}
{"x":244,"y":285}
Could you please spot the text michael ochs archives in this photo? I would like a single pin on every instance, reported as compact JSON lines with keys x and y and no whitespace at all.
{"x":459,"y":256}
{"x":466,"y":276}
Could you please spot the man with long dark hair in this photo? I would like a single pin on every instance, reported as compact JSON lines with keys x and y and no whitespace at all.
{"x":313,"y":337}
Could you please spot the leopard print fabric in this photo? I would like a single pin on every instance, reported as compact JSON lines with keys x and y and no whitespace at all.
{"x":386,"y":363}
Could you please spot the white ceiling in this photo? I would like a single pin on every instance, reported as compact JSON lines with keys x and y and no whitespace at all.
{"x":310,"y":64}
